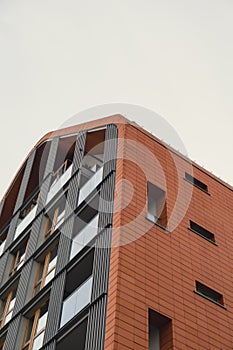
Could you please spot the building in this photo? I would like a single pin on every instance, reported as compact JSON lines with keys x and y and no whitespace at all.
{"x":110,"y":239}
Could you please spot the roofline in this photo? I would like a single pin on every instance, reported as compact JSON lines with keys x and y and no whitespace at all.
{"x":113,"y":119}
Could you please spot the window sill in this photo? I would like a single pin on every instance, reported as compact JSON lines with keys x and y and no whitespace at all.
{"x":194,"y":185}
{"x":199,"y":234}
{"x":213,"y":301}
{"x":157,"y":224}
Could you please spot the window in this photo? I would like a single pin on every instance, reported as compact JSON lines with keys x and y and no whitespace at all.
{"x":18,"y":258}
{"x":201,"y":231}
{"x":55,"y":217}
{"x":85,"y":226}
{"x":78,"y":287}
{"x":61,"y":170}
{"x":160,"y":331}
{"x":196,"y":182}
{"x":156,"y":205}
{"x":7,"y":306}
{"x":35,"y":328}
{"x":209,"y":293}
{"x":46,"y":270}
{"x":28,"y":208}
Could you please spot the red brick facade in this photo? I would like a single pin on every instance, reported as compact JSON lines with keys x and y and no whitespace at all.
{"x":159,"y":269}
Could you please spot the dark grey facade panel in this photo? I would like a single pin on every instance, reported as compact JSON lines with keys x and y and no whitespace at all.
{"x":72,"y":195}
{"x":96,"y":325}
{"x":64,"y":245}
{"x":48,"y":173}
{"x":74,"y":182}
{"x":3,"y":263}
{"x":71,"y":203}
{"x":34,"y":235}
{"x":11,"y":230}
{"x":51,"y":346}
{"x":12,"y":334}
{"x":35,"y":229}
{"x":101,"y":266}
{"x":22,"y":290}
{"x":24,"y":182}
{"x":79,"y":150}
{"x":55,"y":306}
{"x":110,"y":152}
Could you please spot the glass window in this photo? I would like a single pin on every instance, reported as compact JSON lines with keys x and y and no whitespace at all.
{"x":7,"y":306}
{"x":46,"y":270}
{"x":55,"y":217}
{"x":75,"y":302}
{"x":156,"y":205}
{"x":35,"y":328}
{"x":18,"y":258}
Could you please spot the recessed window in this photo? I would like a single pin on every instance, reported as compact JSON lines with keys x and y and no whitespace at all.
{"x":29,"y":206}
{"x":55,"y":217}
{"x":45,"y":270}
{"x":201,"y":231}
{"x":18,"y":257}
{"x":194,"y":181}
{"x":209,"y":293}
{"x":35,"y":328}
{"x":160,"y":331}
{"x":78,"y":287}
{"x":156,"y":205}
{"x":7,"y":306}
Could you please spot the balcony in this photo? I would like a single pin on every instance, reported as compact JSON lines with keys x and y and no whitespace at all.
{"x":60,"y":178}
{"x":92,"y":174}
{"x":75,"y":302}
{"x":83,"y":237}
{"x":27,"y":215}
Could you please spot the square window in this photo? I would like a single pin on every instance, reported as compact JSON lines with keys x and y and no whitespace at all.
{"x":156,"y":205}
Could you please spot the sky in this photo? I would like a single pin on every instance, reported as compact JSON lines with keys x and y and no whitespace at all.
{"x":171,"y":57}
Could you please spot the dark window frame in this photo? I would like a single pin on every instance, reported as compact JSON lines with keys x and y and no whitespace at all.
{"x":209,"y":294}
{"x":196,"y":183}
{"x":202,"y":232}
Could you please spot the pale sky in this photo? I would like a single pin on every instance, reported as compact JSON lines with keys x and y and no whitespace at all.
{"x":173,"y":57}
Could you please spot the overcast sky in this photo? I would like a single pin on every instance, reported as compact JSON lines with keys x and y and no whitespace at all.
{"x":173,"y":57}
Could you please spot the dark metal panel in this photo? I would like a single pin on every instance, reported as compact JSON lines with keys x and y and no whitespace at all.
{"x":24,"y":182}
{"x":22,"y":290}
{"x":101,"y":264}
{"x":35,"y":230}
{"x":55,"y":306}
{"x":97,"y":314}
{"x":64,"y":245}
{"x":3,"y":262}
{"x":96,"y":325}
{"x":51,"y":346}
{"x":11,"y":230}
{"x":48,"y":173}
{"x":12,"y":334}
{"x":71,"y":202}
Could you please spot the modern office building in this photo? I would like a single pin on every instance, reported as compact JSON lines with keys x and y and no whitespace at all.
{"x":110,"y":239}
